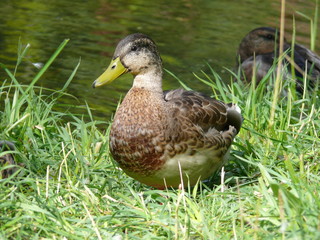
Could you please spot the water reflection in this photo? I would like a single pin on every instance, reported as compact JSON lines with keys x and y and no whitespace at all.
{"x":189,"y":33}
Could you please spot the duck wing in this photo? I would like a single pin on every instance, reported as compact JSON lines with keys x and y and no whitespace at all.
{"x":202,"y":110}
{"x":313,"y":60}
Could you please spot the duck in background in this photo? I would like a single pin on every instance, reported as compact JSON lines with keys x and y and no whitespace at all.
{"x":165,"y":139}
{"x":259,"y":48}
{"x":7,"y":159}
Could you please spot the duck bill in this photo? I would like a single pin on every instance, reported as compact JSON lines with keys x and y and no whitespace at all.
{"x":114,"y":70}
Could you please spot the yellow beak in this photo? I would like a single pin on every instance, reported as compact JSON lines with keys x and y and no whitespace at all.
{"x":114,"y":70}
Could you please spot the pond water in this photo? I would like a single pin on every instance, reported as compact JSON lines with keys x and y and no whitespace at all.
{"x":189,"y":34}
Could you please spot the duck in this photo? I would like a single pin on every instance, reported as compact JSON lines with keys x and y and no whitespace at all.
{"x":165,"y":139}
{"x":259,"y":49}
{"x":7,"y":159}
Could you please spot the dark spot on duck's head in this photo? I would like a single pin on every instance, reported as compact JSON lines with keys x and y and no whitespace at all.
{"x":134,"y":48}
{"x":270,"y":37}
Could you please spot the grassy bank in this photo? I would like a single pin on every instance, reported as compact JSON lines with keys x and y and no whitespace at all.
{"x":68,"y":187}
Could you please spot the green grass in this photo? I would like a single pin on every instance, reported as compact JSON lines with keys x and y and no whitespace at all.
{"x":70,"y":188}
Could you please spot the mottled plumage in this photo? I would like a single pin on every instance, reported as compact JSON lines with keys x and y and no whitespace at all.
{"x":259,"y":49}
{"x":156,"y":135}
{"x":7,"y":159}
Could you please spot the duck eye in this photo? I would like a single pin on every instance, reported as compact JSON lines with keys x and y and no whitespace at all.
{"x":134,"y":48}
{"x":269,"y":36}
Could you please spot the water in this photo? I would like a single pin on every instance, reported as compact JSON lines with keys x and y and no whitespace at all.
{"x":189,"y":34}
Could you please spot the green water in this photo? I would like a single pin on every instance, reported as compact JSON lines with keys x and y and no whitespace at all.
{"x":189,"y":34}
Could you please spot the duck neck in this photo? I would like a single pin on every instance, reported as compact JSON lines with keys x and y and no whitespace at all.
{"x":150,"y":80}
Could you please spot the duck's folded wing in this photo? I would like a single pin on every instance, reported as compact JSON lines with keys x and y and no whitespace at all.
{"x":202,"y":110}
{"x":312,"y":58}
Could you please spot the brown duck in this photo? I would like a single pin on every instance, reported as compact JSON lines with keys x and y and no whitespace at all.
{"x":162,"y":138}
{"x":260,"y":47}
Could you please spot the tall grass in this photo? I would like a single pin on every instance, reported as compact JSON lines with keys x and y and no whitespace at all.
{"x":70,"y":188}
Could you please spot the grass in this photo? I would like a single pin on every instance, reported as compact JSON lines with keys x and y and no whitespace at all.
{"x":70,"y":188}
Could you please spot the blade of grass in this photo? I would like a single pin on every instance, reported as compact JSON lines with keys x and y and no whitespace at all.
{"x":277,"y":86}
{"x":175,"y":77}
{"x":21,"y":54}
{"x":48,"y":63}
{"x":71,"y":77}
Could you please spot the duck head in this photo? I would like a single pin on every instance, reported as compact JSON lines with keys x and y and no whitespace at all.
{"x":136,"y":54}
{"x":257,"y":42}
